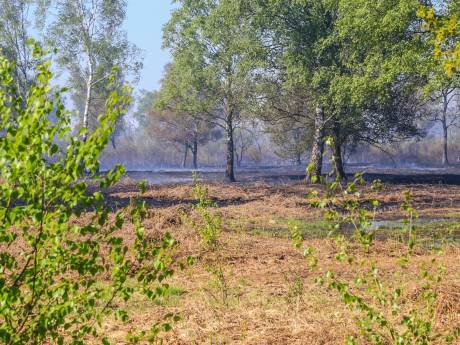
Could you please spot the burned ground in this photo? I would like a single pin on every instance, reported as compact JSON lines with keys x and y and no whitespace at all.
{"x":253,"y":301}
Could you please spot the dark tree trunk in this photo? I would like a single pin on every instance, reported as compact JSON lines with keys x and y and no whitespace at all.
{"x":298,"y":159}
{"x":445,"y":147}
{"x":195,"y":154}
{"x":314,"y":169}
{"x":229,"y":171}
{"x":184,"y":161}
{"x":337,"y":159}
{"x":445,"y":153}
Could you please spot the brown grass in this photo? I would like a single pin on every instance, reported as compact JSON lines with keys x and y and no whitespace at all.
{"x":259,"y":269}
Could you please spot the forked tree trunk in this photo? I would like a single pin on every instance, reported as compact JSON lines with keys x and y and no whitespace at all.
{"x":229,"y":171}
{"x":184,"y":161}
{"x":314,"y":169}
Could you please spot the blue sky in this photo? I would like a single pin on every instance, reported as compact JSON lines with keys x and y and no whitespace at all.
{"x":145,"y":19}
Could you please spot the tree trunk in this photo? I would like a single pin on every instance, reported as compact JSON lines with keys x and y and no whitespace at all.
{"x":229,"y":172}
{"x":113,"y":141}
{"x":445,"y":151}
{"x":184,"y":161}
{"x":298,"y":159}
{"x":316,"y":160}
{"x":89,"y":90}
{"x":239,"y":158}
{"x":195,"y":154}
{"x":337,"y":159}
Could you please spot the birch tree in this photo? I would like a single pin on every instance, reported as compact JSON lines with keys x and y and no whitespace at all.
{"x":15,"y":32}
{"x":91,"y":43}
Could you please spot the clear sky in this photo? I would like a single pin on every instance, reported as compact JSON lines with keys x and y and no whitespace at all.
{"x":145,"y":19}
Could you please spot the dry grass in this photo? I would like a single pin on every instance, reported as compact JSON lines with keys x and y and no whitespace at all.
{"x":260,"y":269}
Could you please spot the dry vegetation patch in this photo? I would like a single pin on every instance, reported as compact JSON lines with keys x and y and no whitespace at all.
{"x":271,"y":296}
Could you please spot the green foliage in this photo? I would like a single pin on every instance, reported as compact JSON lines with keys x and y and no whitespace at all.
{"x":66,"y":265}
{"x":445,"y":31}
{"x":377,"y":296}
{"x":216,"y":269}
{"x":216,"y":53}
{"x":210,"y":225}
{"x":211,"y":65}
{"x":357,"y":61}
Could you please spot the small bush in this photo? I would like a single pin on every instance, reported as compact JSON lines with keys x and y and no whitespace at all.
{"x":210,"y":225}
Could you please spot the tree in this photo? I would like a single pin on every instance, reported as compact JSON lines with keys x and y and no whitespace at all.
{"x":214,"y":47}
{"x":296,"y":31}
{"x":90,"y":44}
{"x":60,"y":279}
{"x":290,"y":120}
{"x":352,"y":66}
{"x":292,"y":141}
{"x":245,"y":138}
{"x":443,"y":67}
{"x":186,"y":130}
{"x":377,"y":92}
{"x":443,"y":95}
{"x":15,"y":34}
{"x":145,"y":103}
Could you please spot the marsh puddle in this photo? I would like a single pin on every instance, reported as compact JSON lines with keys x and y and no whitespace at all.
{"x":399,"y":224}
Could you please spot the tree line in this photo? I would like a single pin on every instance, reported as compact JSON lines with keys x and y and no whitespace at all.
{"x":314,"y":76}
{"x":335,"y":72}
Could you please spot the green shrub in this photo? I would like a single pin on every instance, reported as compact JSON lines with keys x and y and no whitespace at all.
{"x":378,"y":298}
{"x":65,"y":264}
{"x":210,"y":225}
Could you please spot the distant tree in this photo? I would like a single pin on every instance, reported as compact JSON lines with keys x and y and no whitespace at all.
{"x":214,"y":47}
{"x":15,"y":32}
{"x":443,"y":94}
{"x":145,"y":103}
{"x":183,"y":130}
{"x":91,"y":42}
{"x":443,"y":65}
{"x":289,"y":119}
{"x":246,"y":134}
{"x":292,"y":142}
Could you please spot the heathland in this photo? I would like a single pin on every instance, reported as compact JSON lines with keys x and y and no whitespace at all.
{"x":255,"y":287}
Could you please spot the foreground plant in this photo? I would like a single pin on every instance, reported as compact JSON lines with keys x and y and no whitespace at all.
{"x":62,"y":275}
{"x":209,"y":226}
{"x":378,"y":299}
